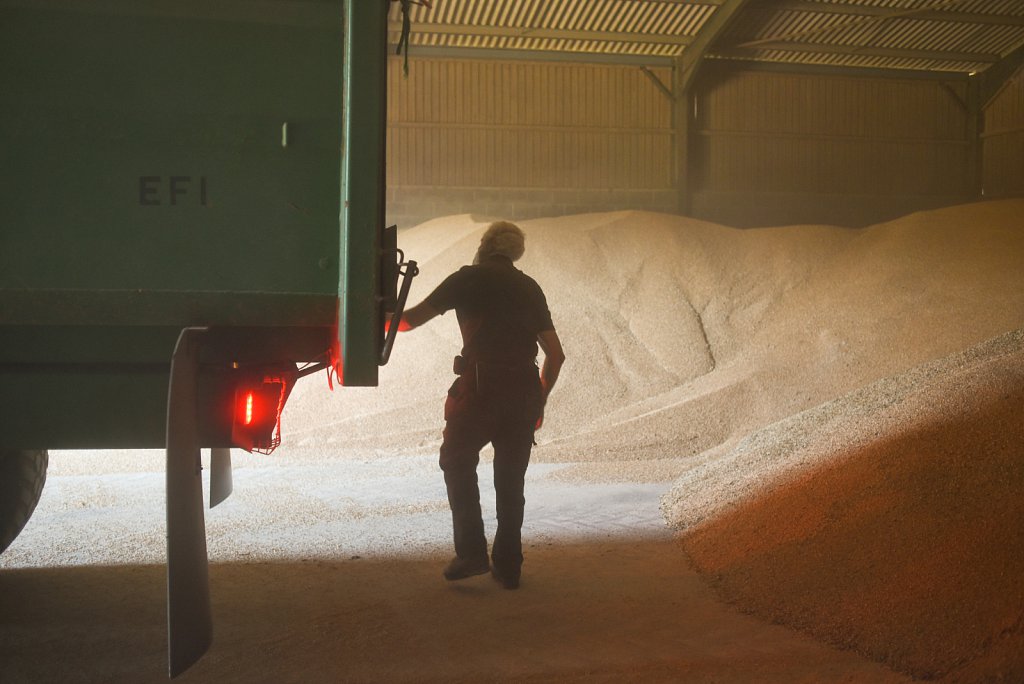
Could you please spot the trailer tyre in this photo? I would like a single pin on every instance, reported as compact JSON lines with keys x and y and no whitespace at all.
{"x":22,"y":475}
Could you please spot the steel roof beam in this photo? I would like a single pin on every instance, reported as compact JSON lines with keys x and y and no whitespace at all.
{"x":858,"y":51}
{"x":543,"y":34}
{"x":995,"y":78}
{"x":510,"y":54}
{"x":887,"y":12}
{"x":836,"y":70}
{"x":688,"y":64}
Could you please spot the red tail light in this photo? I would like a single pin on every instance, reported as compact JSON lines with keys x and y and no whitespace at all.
{"x":248,"y":408}
{"x":259,"y":400}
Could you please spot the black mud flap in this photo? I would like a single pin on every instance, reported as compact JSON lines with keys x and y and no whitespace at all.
{"x":189,"y":619}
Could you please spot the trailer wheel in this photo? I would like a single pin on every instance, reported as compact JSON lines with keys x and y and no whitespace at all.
{"x":22,"y":474}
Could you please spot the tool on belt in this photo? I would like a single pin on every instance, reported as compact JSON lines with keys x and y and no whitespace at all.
{"x":486,"y":375}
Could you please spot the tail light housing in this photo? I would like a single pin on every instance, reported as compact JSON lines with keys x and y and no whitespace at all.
{"x":260,"y":396}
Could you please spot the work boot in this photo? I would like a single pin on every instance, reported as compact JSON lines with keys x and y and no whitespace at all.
{"x":461,"y":568}
{"x":506,"y":578}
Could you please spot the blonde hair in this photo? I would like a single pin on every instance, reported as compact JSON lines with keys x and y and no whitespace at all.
{"x":501,"y":238}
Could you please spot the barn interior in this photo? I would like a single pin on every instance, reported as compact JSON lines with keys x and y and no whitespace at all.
{"x":783,"y":244}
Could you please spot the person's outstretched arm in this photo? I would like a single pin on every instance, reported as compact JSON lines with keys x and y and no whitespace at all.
{"x":417,"y":316}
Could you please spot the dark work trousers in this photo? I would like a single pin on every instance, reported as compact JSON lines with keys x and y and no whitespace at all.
{"x":504,"y":415}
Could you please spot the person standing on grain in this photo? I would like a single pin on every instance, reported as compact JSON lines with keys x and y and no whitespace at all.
{"x":499,"y":396}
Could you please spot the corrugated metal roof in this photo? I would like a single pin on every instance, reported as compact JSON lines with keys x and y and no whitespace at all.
{"x":935,"y":35}
{"x":599,"y":26}
{"x":960,"y":36}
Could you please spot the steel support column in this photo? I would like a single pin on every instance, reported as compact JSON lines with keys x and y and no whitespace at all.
{"x":684,"y":74}
{"x":975,"y":176}
{"x":682,"y":110}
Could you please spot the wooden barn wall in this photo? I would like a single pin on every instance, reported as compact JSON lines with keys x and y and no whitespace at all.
{"x":521,"y":140}
{"x":775,"y":148}
{"x":1003,"y":142}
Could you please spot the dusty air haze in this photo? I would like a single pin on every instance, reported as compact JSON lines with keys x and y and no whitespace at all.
{"x":777,"y":454}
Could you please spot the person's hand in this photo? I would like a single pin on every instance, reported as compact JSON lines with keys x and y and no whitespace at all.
{"x":544,"y":403}
{"x":403,"y":325}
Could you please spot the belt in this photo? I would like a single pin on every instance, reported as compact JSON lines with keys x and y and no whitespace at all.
{"x":463,"y":366}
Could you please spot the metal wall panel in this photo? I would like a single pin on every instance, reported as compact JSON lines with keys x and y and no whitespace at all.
{"x":794,"y":140}
{"x":1003,"y":142}
{"x":471,"y":123}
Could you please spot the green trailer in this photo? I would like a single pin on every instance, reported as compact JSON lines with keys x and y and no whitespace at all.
{"x":191,"y":220}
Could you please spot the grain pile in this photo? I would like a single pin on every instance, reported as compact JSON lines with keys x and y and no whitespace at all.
{"x":841,"y":410}
{"x":898,"y":531}
{"x":684,"y":337}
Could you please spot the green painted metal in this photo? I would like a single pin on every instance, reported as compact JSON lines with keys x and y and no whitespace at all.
{"x":363,"y":212}
{"x":143,"y":148}
{"x":176,"y":309}
{"x":85,"y":407}
{"x":171,"y":164}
